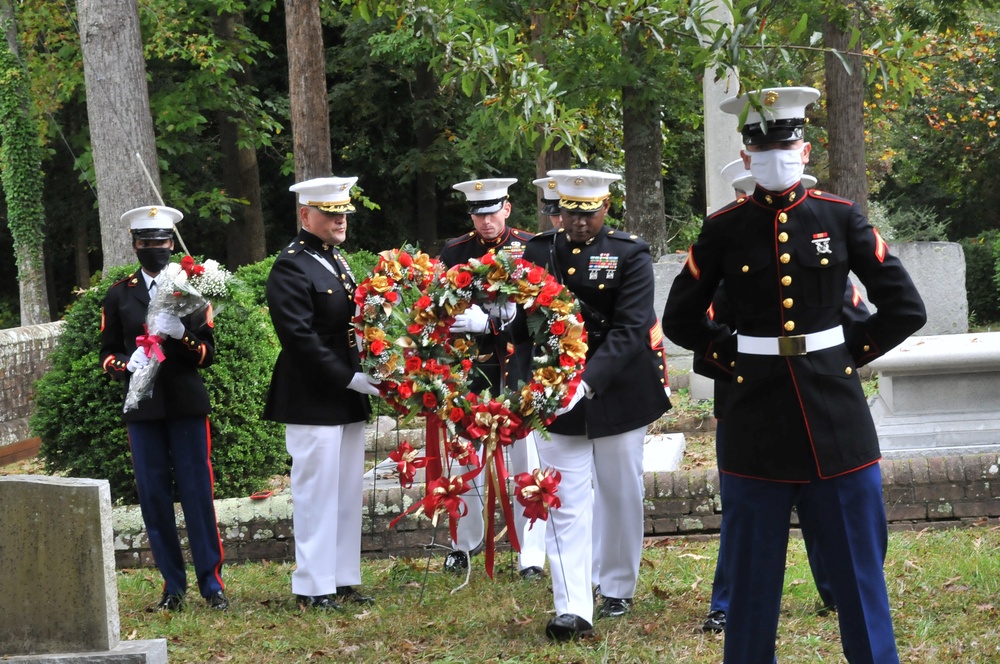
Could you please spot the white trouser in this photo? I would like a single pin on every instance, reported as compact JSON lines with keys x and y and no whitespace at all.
{"x":327,"y":475}
{"x":470,"y":527}
{"x":524,"y":459}
{"x":614,"y":462}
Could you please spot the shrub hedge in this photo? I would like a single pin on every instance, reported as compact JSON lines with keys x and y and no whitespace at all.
{"x":982,"y":277}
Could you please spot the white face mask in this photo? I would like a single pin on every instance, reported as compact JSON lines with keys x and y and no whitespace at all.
{"x":776,"y":170}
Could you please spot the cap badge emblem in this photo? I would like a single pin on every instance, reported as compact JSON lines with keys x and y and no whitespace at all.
{"x":153,"y":211}
{"x":578,"y":181}
{"x":344,"y":186}
{"x":479,"y":186}
{"x":770,"y":98}
{"x":552,"y":184}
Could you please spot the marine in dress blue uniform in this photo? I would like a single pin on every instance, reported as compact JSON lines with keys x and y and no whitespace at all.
{"x":489,"y":207}
{"x":168,"y":432}
{"x":597,"y":439}
{"x":854,"y":309}
{"x":798,"y":429}
{"x":319,"y":392}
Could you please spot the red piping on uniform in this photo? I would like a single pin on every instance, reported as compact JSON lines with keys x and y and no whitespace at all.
{"x":765,"y":479}
{"x":211,"y":477}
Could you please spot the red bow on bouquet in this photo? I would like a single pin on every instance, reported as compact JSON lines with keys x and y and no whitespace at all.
{"x":537,"y":492}
{"x":490,"y":422}
{"x":407,"y":463}
{"x":151,"y":344}
{"x":191,"y":268}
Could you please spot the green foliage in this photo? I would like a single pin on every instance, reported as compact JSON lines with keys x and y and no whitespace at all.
{"x":78,"y":410}
{"x":901,"y":222}
{"x":20,"y":161}
{"x":982,"y":276}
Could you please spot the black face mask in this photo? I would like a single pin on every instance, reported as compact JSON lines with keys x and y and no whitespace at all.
{"x":153,"y":260}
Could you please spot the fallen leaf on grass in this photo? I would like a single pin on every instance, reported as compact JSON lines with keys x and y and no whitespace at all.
{"x":660,"y":592}
{"x":525,"y":620}
{"x":984,"y":607}
{"x":694,"y":556}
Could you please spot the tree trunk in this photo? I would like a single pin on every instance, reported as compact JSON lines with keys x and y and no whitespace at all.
{"x":551,"y":159}
{"x":240,"y":176}
{"x":643,"y":145}
{"x":121,"y":126}
{"x":845,"y":96}
{"x":307,"y":90}
{"x":21,"y":174}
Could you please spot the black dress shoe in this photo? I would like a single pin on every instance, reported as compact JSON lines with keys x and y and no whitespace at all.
{"x":456,"y":562}
{"x":350,"y":594}
{"x":169,"y":602}
{"x":218,"y":601}
{"x":320,"y":602}
{"x":614,"y":607}
{"x":715,"y":622}
{"x":532,"y":573}
{"x":597,"y":591}
{"x":567,"y":627}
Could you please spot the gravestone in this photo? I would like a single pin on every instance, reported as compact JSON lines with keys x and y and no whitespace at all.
{"x":939,"y":394}
{"x":58,"y":593}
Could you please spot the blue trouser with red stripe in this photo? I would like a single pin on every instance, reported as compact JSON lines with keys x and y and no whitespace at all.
{"x":847,"y":517}
{"x":176,"y":453}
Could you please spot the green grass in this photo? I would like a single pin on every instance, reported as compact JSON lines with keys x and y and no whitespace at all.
{"x":943,"y":587}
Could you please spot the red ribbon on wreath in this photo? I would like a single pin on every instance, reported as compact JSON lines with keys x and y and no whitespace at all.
{"x":537,"y":492}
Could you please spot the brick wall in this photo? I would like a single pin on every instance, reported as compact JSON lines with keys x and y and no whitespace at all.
{"x":938,"y":492}
{"x":24,"y":356}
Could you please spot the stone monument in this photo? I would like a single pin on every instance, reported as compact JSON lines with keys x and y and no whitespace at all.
{"x":58,"y":593}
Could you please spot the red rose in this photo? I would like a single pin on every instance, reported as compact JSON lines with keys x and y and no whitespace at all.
{"x":535,"y":275}
{"x":377,"y":347}
{"x":467,"y":364}
{"x":456,"y":415}
{"x":360,"y":293}
{"x":463,"y":279}
{"x":423,"y":303}
{"x":566,"y":361}
{"x":405,"y":259}
{"x":392,"y":296}
{"x":558,"y":328}
{"x":413,"y":363}
{"x":545,"y":299}
{"x":406,"y":390}
{"x":488,"y":259}
{"x":430,"y":400}
{"x":415,"y":328}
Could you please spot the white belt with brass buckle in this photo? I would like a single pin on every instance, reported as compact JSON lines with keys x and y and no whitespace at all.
{"x":800,"y":344}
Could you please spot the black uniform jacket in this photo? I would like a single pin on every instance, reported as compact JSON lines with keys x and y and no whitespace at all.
{"x":179,"y":390}
{"x":496,"y":344}
{"x":311,"y":309}
{"x":783,"y":260}
{"x":612,"y":277}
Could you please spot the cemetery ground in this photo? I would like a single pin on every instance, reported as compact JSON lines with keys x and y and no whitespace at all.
{"x":944,"y":589}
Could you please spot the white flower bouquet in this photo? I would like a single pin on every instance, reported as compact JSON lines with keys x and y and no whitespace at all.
{"x":182,"y":289}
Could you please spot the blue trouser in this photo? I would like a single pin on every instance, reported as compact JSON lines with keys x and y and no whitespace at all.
{"x":165,"y":454}
{"x":847,"y":517}
{"x":720,"y":589}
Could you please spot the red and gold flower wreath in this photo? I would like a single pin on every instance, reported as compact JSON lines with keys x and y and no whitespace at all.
{"x":424,"y":371}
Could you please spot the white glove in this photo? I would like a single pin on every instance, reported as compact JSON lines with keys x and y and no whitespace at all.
{"x":168,"y":325}
{"x":364,"y":384}
{"x":582,"y":390}
{"x":505,"y":313}
{"x":473,"y":320}
{"x":138,"y":360}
